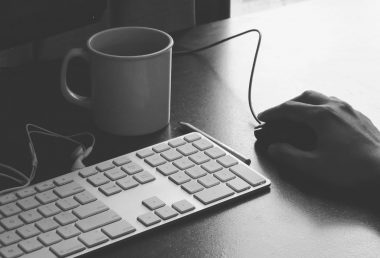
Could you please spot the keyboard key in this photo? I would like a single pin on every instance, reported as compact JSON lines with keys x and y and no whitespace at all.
{"x":46,"y":197}
{"x":177,"y":142}
{"x":208,"y":181}
{"x":115,"y":174}
{"x":87,"y":172}
{"x":118,"y":229}
{"x":68,"y":231}
{"x":49,"y":238}
{"x":12,"y":251}
{"x":167,"y":169}
{"x":67,"y":204}
{"x":247,"y":175}
{"x":149,"y":219}
{"x":155,"y":160}
{"x":127,"y":183}
{"x":171,"y":155}
{"x":142,"y":154}
{"x":238,"y":185}
{"x":30,"y":216}
{"x":97,"y":221}
{"x":30,"y":245}
{"x":199,"y":158}
{"x":227,"y":161}
{"x":187,"y":149}
{"x":62,"y":180}
{"x":153,"y":203}
{"x":44,"y":186}
{"x":90,"y":209}
{"x":212,"y":166}
{"x":69,"y":189}
{"x":46,"y":225}
{"x":26,"y":192}
{"x":224,"y":175}
{"x":12,"y":222}
{"x":93,"y":238}
{"x":110,"y":189}
{"x":28,"y":203}
{"x":9,"y":238}
{"x":65,"y":218}
{"x":144,"y":177}
{"x":28,"y":231}
{"x":161,"y":147}
{"x":9,"y":209}
{"x":196,"y":172}
{"x":7,"y":198}
{"x":104,"y":166}
{"x":179,"y":178}
{"x":97,"y":180}
{"x":49,"y":210}
{"x":214,"y":194}
{"x":192,"y":137}
{"x":183,"y":206}
{"x":132,"y":168}
{"x":121,"y":161}
{"x":67,"y":247}
{"x":183,"y":163}
{"x":192,"y":187}
{"x":203,"y":144}
{"x":215,"y":152}
{"x":84,"y":197}
{"x":166,"y":212}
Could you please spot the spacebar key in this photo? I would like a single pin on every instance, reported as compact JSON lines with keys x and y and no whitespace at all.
{"x":97,"y":221}
{"x":214,"y":194}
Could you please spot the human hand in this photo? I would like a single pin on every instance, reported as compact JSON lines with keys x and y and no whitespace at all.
{"x":347,"y":152}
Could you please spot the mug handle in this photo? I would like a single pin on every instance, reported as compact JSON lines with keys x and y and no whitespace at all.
{"x":67,"y":93}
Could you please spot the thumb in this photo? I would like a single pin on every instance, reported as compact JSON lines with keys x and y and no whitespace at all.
{"x":289,"y":155}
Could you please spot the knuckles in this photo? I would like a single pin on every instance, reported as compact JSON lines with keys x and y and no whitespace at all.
{"x":308,"y":94}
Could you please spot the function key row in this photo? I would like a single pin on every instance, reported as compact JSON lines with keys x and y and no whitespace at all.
{"x":186,"y":146}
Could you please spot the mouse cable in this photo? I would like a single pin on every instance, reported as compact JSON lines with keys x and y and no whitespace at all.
{"x":186,"y":52}
{"x":35,"y":129}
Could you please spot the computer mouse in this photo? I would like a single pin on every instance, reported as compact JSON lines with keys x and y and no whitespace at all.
{"x":297,"y":134}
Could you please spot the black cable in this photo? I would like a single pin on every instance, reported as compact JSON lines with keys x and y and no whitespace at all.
{"x":186,"y":52}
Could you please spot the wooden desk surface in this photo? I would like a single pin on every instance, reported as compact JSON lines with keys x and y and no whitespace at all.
{"x":329,"y":46}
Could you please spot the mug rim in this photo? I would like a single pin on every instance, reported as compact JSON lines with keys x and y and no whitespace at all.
{"x":169,"y":46}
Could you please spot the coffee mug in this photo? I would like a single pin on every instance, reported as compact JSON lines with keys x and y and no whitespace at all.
{"x":130,"y":72}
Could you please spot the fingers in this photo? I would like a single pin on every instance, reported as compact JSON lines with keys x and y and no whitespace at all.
{"x":289,"y":155}
{"x":312,"y":97}
{"x":290,"y":110}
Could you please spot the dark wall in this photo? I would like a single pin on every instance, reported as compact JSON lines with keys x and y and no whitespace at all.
{"x":212,"y":10}
{"x":26,"y":20}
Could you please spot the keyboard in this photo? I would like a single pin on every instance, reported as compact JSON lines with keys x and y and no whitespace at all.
{"x":90,"y":208}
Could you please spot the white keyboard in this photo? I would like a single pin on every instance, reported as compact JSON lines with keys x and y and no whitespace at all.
{"x":93,"y":207}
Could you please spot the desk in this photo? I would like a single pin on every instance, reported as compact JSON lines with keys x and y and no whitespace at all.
{"x":329,"y":46}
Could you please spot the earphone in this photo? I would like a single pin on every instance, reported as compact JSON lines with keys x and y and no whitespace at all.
{"x":79,"y":154}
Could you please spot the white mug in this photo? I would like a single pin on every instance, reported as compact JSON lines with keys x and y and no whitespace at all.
{"x":130,"y":70}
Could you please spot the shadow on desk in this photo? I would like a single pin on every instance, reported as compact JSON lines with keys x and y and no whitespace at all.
{"x":325,"y":206}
